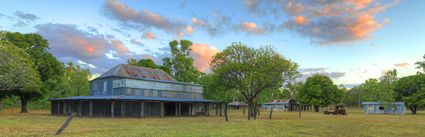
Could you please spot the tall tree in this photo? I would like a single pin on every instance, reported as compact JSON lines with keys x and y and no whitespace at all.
{"x":319,"y":91}
{"x":75,"y":81}
{"x":181,"y":64}
{"x":421,"y":64}
{"x":18,"y":75}
{"x":49,"y":69}
{"x":411,"y":90}
{"x":147,"y":63}
{"x":251,"y":71}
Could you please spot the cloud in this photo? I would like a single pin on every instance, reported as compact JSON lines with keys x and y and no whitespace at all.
{"x":141,"y":19}
{"x":402,"y":65}
{"x":149,"y":35}
{"x":202,"y":55}
{"x":70,"y":44}
{"x":25,"y":18}
{"x":188,"y":30}
{"x":219,"y":24}
{"x":326,"y":21}
{"x":308,"y":72}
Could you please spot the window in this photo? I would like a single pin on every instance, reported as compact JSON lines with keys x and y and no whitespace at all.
{"x":95,"y":86}
{"x":155,"y":93}
{"x":105,"y":86}
{"x":147,"y":93}
{"x":381,"y":107}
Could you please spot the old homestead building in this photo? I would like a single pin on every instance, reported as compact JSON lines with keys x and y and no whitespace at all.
{"x":134,"y":91}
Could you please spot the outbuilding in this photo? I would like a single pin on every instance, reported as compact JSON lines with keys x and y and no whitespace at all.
{"x":384,"y":107}
{"x":284,"y":105}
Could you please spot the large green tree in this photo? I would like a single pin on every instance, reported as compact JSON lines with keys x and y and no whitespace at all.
{"x":180,"y":63}
{"x":48,"y":67}
{"x":75,"y":81}
{"x":411,"y":90}
{"x":319,"y":91}
{"x":18,"y":75}
{"x":381,"y":90}
{"x":147,"y":63}
{"x":250,"y":72}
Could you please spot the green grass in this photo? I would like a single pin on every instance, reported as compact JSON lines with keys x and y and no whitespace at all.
{"x":40,"y":123}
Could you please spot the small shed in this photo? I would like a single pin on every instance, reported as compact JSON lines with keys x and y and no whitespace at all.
{"x":284,"y":105}
{"x":237,"y":104}
{"x":384,"y":107}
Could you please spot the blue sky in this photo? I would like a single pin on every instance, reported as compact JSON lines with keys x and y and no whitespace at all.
{"x":350,"y":41}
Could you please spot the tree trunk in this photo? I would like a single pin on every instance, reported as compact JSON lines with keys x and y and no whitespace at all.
{"x":413,"y":109}
{"x":316,"y":108}
{"x":24,"y":103}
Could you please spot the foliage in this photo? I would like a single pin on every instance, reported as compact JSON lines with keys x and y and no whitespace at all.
{"x":421,"y":64}
{"x":25,"y":78}
{"x":75,"y":81}
{"x":379,"y":91}
{"x":411,"y":90}
{"x":180,"y":64}
{"x":214,"y":90}
{"x":18,"y":75}
{"x":250,"y":72}
{"x":319,"y":91}
{"x":49,"y":69}
{"x":353,"y":97}
{"x":291,"y":90}
{"x":147,"y":63}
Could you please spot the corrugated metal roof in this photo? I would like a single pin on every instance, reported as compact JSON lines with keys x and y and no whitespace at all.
{"x":382,"y":103}
{"x":132,"y":98}
{"x":237,"y":103}
{"x":125,"y":70}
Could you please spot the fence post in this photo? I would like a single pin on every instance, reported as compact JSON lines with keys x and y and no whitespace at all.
{"x":271,"y":111}
{"x":66,"y":123}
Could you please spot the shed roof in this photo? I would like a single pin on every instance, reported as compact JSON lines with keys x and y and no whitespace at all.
{"x":237,"y":103}
{"x":131,"y":98}
{"x":279,"y":101}
{"x":382,"y":103}
{"x":125,"y":70}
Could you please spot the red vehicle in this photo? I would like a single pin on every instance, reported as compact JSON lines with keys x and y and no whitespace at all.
{"x":339,"y":110}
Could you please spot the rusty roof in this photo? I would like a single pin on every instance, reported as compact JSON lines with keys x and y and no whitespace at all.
{"x":125,"y":70}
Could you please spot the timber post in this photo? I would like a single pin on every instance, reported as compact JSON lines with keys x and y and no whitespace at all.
{"x":66,"y":123}
{"x":180,"y":109}
{"x":225,"y":113}
{"x":142,"y":109}
{"x":80,"y":108}
{"x":112,"y":108}
{"x":91,"y":109}
{"x":176,"y":111}
{"x":162,"y":110}
{"x":220,"y":109}
{"x":271,"y":111}
{"x":122,"y":109}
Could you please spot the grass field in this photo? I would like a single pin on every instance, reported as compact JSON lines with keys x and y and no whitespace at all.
{"x":40,"y":123}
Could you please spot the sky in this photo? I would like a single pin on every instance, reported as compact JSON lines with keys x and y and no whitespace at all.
{"x":348,"y":40}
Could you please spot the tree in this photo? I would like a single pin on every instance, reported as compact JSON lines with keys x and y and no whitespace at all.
{"x":353,"y":97}
{"x":147,"y":63}
{"x":250,"y":72}
{"x":319,"y":91}
{"x":181,"y":64}
{"x":75,"y":81}
{"x":421,"y":64}
{"x":411,"y":90}
{"x":48,"y":67}
{"x":18,"y":75}
{"x":380,"y":91}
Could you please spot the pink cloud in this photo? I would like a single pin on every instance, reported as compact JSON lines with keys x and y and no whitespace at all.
{"x":202,"y":55}
{"x":149,"y":35}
